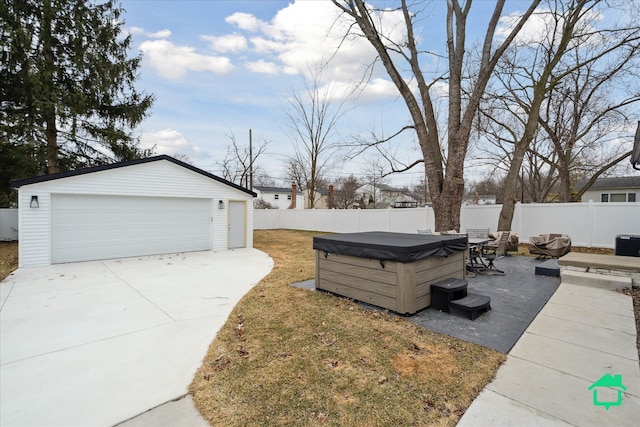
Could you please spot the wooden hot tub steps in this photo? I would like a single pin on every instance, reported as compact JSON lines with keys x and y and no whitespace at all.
{"x":446,"y":291}
{"x":471,"y":305}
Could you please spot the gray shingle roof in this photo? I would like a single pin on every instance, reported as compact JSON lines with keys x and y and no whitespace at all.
{"x":619,"y":182}
{"x":274,"y":189}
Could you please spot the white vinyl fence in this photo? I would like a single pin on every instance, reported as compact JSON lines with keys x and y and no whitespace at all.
{"x":589,"y":224}
{"x":8,"y":224}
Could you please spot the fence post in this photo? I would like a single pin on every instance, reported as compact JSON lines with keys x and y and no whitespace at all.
{"x":590,"y":216}
{"x":518,"y":215}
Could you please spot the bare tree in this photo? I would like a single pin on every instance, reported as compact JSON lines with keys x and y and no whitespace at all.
{"x":581,"y":118}
{"x":466,"y":85}
{"x":240,"y":161}
{"x":296,"y":173}
{"x":345,"y":192}
{"x":314,"y":112}
{"x":263,"y":204}
{"x":532,"y":71}
{"x":489,"y":185}
{"x":501,"y":128}
{"x":419,"y":191}
{"x":262,"y":178}
{"x":375,"y":174}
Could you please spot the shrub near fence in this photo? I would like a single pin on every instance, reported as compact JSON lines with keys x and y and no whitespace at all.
{"x":589,"y":224}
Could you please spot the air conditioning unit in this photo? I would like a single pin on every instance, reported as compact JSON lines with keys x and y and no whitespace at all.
{"x":627,"y":245}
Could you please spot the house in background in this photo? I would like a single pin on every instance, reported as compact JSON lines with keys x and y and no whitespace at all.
{"x":279,"y":197}
{"x":622,"y":189}
{"x":322,"y":198}
{"x":479,"y":199}
{"x":385,"y":196}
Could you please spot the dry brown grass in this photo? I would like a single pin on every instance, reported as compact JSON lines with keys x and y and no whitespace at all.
{"x":288,"y":356}
{"x":8,"y":258}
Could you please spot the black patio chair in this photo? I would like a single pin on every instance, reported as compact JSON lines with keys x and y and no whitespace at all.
{"x":493,"y":252}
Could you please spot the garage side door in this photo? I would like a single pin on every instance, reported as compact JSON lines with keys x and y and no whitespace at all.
{"x":88,"y":227}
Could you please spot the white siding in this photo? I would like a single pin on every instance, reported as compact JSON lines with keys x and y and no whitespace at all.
{"x":157,"y":178}
{"x":34,"y":244}
{"x":596,"y":195}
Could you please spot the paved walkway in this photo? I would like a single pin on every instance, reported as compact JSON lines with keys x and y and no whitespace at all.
{"x":582,"y":334}
{"x":97,"y":343}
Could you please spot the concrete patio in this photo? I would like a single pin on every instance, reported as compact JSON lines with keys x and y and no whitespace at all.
{"x":581,"y":334}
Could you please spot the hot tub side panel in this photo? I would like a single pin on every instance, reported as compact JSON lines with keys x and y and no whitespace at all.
{"x":432,"y":270}
{"x":363,"y":279}
{"x":401,"y":287}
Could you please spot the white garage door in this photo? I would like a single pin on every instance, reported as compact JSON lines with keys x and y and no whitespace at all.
{"x":87,"y":227}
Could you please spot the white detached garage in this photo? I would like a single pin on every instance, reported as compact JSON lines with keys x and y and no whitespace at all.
{"x":148,"y":206}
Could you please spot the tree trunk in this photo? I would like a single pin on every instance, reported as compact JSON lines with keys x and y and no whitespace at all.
{"x":446,"y":206}
{"x":510,"y":197}
{"x":449,"y":189}
{"x":49,"y":110}
{"x":52,"y":145}
{"x":565,"y":182}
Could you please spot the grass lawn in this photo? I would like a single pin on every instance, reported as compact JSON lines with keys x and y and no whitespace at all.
{"x":288,"y":356}
{"x":8,"y":258}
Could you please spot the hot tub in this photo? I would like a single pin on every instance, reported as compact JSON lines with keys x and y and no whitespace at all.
{"x":389,"y":270}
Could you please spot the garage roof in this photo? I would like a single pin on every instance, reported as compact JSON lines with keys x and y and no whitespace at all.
{"x":17,"y":183}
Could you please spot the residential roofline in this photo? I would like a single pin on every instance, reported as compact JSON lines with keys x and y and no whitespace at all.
{"x":264,"y":189}
{"x":17,"y":183}
{"x":611,"y":183}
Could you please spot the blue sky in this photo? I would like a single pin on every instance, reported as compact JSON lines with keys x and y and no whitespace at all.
{"x":224,"y":67}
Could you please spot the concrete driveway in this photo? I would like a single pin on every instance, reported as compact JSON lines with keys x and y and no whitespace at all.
{"x":96,"y":343}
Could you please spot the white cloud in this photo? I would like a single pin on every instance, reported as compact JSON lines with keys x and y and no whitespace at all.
{"x":262,"y":45}
{"x":173,"y":62}
{"x":228,"y":43}
{"x":305,"y":34}
{"x":543,"y":27}
{"x":171,"y":142}
{"x":263,"y":67}
{"x":379,"y":88}
{"x":245,"y":21}
{"x":162,"y":34}
{"x":136,"y":30}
